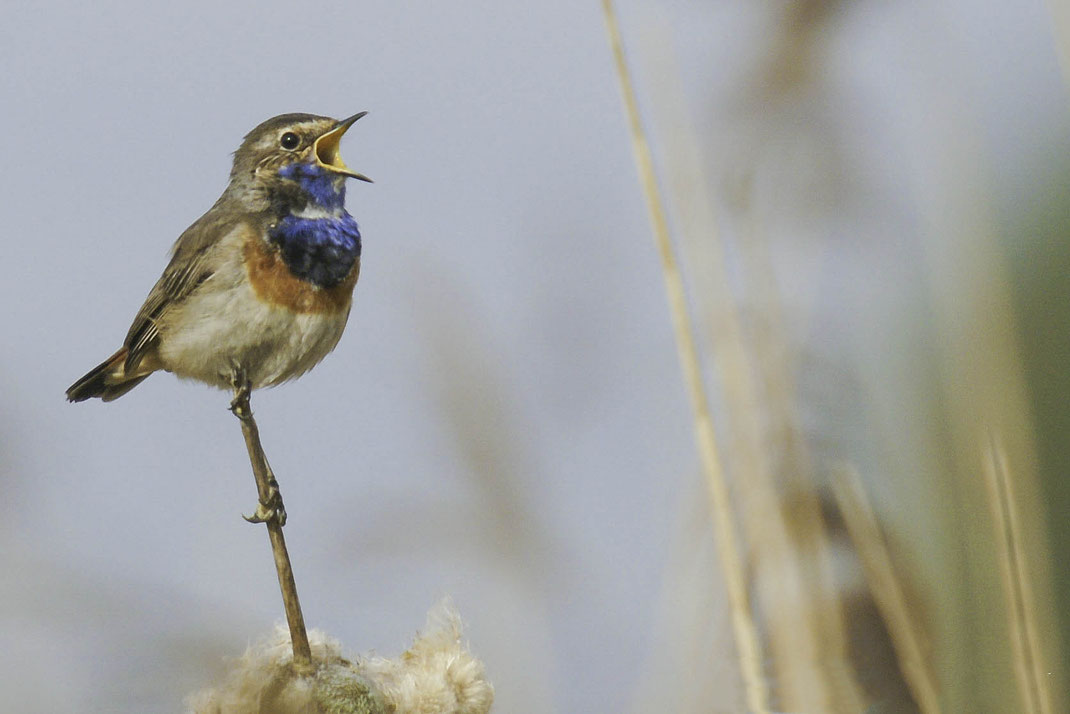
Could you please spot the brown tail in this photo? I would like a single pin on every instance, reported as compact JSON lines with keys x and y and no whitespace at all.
{"x":107,"y":380}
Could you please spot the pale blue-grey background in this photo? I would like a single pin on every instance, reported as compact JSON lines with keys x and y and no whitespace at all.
{"x":503,"y":420}
{"x":505,"y":255}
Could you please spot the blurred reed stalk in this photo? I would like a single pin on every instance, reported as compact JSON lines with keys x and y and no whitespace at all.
{"x":1017,"y":584}
{"x":794,"y":479}
{"x":786,"y":535}
{"x":746,"y":634}
{"x":910,"y":644}
{"x":986,"y":404}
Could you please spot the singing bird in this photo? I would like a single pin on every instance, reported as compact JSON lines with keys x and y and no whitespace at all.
{"x":259,"y":288}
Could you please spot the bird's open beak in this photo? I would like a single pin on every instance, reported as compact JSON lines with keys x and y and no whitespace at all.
{"x":326,"y":149}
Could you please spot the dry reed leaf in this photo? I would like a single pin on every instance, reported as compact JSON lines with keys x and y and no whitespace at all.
{"x":747,"y":641}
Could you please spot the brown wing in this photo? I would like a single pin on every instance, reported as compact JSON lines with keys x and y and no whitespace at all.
{"x":188,"y":269}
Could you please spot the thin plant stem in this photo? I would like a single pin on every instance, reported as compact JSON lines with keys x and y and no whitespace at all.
{"x":887,"y":592}
{"x":1017,"y":584}
{"x":267,"y":490}
{"x":830,"y":674}
{"x":747,"y":641}
{"x":793,"y":580}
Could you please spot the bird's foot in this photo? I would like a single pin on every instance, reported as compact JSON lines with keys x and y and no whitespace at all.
{"x":269,"y":509}
{"x":239,"y":405}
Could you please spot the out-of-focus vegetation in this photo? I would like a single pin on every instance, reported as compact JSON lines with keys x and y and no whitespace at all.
{"x":845,"y":234}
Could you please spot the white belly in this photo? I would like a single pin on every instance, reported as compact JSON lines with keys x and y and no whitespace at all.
{"x":224,"y":326}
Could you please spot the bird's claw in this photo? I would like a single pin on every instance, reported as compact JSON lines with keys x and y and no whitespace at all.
{"x":243,"y":388}
{"x":272,"y":510}
{"x":239,"y":405}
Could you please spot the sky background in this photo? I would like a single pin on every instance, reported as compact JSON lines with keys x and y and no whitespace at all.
{"x":504,"y":420}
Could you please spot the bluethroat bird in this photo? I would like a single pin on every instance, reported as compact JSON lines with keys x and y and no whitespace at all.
{"x":259,"y":288}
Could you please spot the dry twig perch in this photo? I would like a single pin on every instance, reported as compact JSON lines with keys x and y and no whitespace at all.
{"x":270,"y":512}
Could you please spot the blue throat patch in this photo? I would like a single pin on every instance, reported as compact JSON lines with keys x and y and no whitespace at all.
{"x":319,"y":250}
{"x":319,"y":185}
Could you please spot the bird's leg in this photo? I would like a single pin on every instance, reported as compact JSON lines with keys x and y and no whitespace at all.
{"x":239,"y":405}
{"x":269,"y":506}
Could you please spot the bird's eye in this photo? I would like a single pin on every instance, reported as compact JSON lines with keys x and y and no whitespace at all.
{"x":289,"y":141}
